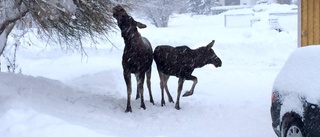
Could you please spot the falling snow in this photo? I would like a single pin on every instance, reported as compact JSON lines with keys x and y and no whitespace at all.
{"x":62,"y":94}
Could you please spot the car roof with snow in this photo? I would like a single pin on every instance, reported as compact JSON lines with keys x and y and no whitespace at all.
{"x":301,"y":74}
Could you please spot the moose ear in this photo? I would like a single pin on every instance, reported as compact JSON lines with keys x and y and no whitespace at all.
{"x":141,"y":25}
{"x":210,"y":45}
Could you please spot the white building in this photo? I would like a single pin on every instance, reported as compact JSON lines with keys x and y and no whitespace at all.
{"x":239,"y":2}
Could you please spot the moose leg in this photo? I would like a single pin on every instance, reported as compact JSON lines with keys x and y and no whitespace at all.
{"x":162,"y":85}
{"x":140,"y":81}
{"x":138,"y":94}
{"x":180,"y":85}
{"x":195,"y":81}
{"x":127,"y":78}
{"x":149,"y":85}
{"x":166,"y":88}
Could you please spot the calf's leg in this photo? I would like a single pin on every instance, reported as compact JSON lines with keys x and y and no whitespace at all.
{"x":180,"y":85}
{"x":163,"y":85}
{"x":195,"y":81}
{"x":149,"y":84}
{"x":167,"y":90}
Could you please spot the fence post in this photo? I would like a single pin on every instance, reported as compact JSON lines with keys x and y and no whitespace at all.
{"x":225,"y":20}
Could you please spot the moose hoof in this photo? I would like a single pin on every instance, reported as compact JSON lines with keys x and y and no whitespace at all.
{"x":137,"y":97}
{"x":128,"y":109}
{"x":143,"y":106}
{"x":163,"y":103}
{"x":151,"y":101}
{"x":187,"y":94}
{"x":171,"y":101}
{"x":177,"y":107}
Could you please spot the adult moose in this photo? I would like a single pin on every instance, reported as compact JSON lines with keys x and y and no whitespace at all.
{"x":137,"y":56}
{"x":180,"y":62}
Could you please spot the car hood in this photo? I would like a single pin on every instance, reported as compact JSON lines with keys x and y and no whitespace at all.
{"x":300,"y":76}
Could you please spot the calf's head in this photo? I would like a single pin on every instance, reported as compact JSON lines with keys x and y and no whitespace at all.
{"x":209,"y":55}
{"x":126,"y":23}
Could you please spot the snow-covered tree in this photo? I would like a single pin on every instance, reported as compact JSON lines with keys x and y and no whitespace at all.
{"x":63,"y":21}
{"x":194,"y":6}
{"x":205,"y":6}
{"x":159,"y":11}
{"x":201,"y":6}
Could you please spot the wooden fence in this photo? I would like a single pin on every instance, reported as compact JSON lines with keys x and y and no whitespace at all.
{"x":310,"y":22}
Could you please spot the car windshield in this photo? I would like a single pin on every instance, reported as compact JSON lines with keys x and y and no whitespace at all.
{"x":301,"y":74}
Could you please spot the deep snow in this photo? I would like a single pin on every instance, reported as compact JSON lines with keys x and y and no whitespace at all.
{"x":59,"y":93}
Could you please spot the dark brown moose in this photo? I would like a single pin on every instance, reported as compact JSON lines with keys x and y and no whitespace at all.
{"x":180,"y":62}
{"x":137,"y":56}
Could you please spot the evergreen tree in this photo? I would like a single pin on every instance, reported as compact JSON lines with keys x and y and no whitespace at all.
{"x":201,"y":6}
{"x":194,"y":6}
{"x":205,"y":7}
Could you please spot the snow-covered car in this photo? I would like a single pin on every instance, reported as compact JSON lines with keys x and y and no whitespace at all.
{"x":295,"y":99}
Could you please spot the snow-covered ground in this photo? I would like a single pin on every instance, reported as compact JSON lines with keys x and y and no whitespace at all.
{"x":63,"y":94}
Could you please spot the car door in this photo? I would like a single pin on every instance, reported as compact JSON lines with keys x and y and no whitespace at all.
{"x":312,"y":120}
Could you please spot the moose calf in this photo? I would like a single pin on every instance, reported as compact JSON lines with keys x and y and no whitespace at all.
{"x":180,"y":62}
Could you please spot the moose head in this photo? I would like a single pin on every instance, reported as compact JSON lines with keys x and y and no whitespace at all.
{"x":126,"y":23}
{"x":209,"y":56}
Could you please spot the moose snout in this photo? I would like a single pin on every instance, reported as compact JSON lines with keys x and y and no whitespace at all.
{"x":217,"y":62}
{"x":115,"y":15}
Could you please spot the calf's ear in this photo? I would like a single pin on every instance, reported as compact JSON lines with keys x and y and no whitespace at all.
{"x":141,"y":25}
{"x":210,"y":45}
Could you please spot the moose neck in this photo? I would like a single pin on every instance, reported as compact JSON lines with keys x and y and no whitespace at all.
{"x":131,"y":39}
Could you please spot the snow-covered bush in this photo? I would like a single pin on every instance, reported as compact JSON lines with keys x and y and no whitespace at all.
{"x":159,"y":11}
{"x":11,"y":51}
